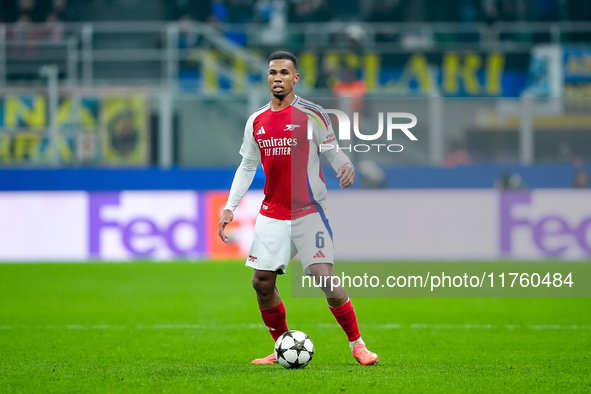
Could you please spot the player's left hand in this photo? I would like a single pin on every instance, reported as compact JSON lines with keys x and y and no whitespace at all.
{"x":347,"y":174}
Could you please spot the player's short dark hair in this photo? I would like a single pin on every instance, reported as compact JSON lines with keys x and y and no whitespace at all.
{"x":285,"y":55}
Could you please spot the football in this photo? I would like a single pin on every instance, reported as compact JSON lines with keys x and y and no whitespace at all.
{"x":294,"y":349}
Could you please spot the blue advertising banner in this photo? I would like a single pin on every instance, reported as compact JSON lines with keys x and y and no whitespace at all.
{"x":577,"y":64}
{"x":93,"y":129}
{"x":404,"y":73}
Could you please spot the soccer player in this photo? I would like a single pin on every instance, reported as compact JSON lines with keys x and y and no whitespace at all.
{"x":293,"y":215}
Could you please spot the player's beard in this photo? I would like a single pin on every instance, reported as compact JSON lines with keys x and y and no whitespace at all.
{"x":280,"y":95}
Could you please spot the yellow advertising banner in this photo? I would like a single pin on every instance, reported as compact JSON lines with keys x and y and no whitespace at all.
{"x":125,"y":130}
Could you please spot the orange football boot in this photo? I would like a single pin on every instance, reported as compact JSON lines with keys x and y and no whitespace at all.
{"x":270,"y":359}
{"x":364,"y":356}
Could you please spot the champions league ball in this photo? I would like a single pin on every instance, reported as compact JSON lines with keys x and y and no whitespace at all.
{"x":294,"y":349}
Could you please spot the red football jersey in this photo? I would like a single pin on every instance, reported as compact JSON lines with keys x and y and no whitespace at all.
{"x":294,"y":185}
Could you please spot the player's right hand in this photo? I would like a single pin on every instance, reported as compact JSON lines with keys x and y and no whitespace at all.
{"x":227,"y":217}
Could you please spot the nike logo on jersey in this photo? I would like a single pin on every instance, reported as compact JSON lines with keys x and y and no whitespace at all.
{"x":261,"y":131}
{"x":291,"y":127}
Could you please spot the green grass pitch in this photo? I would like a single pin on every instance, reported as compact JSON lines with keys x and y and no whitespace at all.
{"x":188,"y":327}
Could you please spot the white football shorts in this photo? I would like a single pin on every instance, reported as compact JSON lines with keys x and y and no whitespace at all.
{"x":276,"y":242}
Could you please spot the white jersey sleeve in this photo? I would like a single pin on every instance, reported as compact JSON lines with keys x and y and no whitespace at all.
{"x":250,"y":149}
{"x":324,"y":135}
{"x":242,"y":181}
{"x":251,"y":158}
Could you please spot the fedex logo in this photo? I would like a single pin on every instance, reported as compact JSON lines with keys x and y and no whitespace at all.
{"x":154,"y":224}
{"x":556,"y":225}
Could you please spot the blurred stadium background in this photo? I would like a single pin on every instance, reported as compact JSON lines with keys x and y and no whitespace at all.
{"x":119,"y":95}
{"x":120,"y":125}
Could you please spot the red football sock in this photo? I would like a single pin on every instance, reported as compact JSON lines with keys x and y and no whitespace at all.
{"x":345,"y":315}
{"x":274,"y":319}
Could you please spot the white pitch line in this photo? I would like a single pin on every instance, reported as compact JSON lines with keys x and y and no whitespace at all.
{"x":250,"y":326}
